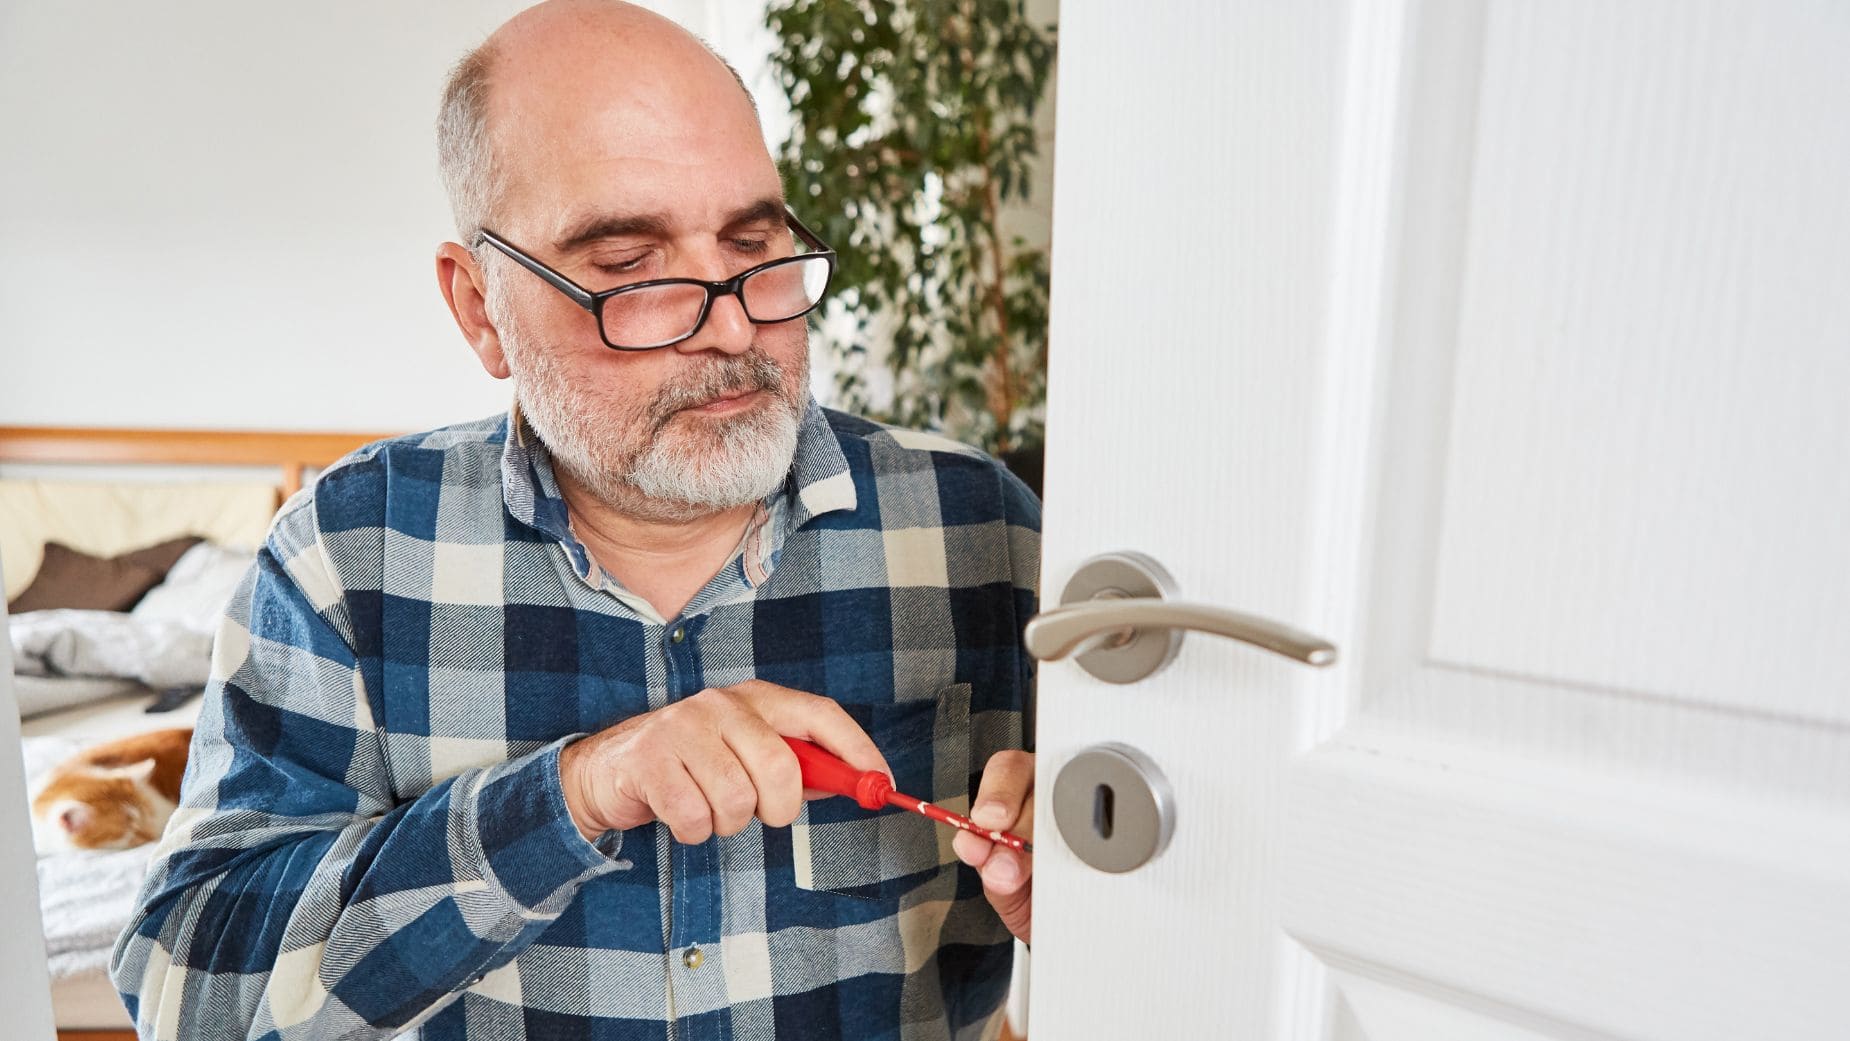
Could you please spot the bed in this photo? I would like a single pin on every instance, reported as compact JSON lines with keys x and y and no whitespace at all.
{"x":104,"y":493}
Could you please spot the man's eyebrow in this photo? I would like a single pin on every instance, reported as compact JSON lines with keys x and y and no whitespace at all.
{"x":768,"y":210}
{"x":765,"y":211}
{"x":610,"y":226}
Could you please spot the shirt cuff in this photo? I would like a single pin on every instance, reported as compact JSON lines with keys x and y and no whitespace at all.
{"x":531,"y":850}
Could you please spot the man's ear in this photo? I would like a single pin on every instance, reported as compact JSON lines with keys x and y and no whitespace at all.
{"x":465,"y":289}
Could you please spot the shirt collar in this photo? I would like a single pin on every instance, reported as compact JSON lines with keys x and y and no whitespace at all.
{"x":819,"y":480}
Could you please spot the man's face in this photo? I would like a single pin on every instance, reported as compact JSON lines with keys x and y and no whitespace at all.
{"x":613,"y":180}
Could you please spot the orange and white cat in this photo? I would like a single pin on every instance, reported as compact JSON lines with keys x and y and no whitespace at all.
{"x":114,"y":795}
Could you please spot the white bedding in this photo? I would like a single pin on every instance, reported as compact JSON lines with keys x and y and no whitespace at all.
{"x":157,"y":653}
{"x":117,"y":716}
{"x":66,"y":658}
{"x":38,"y":695}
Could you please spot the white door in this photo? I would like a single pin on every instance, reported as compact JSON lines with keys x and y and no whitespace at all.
{"x":1507,"y":346}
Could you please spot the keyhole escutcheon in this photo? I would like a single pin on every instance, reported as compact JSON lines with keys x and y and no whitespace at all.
{"x":1113,"y":807}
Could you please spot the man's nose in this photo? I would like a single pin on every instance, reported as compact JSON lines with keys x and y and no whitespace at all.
{"x":726,"y":329}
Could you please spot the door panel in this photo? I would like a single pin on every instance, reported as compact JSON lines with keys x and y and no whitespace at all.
{"x":1372,"y":1011}
{"x":1600,"y":530}
{"x":1640,"y":385}
{"x":1574,"y":902}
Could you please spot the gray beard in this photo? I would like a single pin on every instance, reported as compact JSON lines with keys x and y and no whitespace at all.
{"x":654,"y":464}
{"x":736,"y":461}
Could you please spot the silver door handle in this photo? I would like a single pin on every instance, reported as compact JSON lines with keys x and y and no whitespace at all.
{"x":1115,"y":615}
{"x":1054,"y":634}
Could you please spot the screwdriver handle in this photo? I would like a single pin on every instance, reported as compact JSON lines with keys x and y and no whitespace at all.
{"x":826,"y":772}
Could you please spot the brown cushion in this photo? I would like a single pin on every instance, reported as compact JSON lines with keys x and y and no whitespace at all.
{"x":162,"y":556}
{"x":71,"y":578}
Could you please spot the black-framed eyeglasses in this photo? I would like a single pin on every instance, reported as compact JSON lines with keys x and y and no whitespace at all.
{"x":646,"y":316}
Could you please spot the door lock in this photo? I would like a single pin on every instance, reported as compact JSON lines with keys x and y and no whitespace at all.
{"x":1113,"y":807}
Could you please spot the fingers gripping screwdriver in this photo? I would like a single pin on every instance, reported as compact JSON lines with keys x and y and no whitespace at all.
{"x":826,"y":772}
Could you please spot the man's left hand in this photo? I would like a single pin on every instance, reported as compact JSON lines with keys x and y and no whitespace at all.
{"x":1004,"y":802}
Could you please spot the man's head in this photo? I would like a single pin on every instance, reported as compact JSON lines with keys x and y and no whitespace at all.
{"x":614,"y":147}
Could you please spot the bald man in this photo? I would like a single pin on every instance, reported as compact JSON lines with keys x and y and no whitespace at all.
{"x":493,"y":746}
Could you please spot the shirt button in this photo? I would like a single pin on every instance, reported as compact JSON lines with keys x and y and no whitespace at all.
{"x":678,"y":635}
{"x":693,"y":957}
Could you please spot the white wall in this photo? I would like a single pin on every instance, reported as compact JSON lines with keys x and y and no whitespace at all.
{"x":223,"y":214}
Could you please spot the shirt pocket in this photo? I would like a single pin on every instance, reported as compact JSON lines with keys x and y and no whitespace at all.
{"x":838,"y":847}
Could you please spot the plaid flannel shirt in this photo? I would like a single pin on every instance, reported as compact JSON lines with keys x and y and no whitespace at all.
{"x":372,"y":839}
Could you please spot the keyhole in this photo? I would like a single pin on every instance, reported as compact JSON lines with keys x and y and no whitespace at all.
{"x":1102,"y":799}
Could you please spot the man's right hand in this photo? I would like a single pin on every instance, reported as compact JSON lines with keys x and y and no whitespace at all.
{"x":708,"y":764}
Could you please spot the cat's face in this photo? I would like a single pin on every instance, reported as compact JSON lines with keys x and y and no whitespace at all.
{"x":99,"y":809}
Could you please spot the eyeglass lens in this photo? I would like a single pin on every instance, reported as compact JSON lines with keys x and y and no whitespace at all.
{"x":662,"y":314}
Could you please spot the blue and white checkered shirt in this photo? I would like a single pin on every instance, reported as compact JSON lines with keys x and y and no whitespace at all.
{"x":373,"y":838}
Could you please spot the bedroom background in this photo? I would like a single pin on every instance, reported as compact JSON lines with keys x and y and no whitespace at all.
{"x":218,"y":216}
{"x":221,"y":217}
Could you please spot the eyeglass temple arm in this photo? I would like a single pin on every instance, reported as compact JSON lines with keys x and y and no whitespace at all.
{"x":580,"y":295}
{"x":810,"y":238}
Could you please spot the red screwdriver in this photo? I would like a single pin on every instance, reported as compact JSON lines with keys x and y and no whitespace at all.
{"x":825,"y":772}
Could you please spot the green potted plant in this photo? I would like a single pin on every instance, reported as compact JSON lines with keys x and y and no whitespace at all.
{"x":913,"y":132}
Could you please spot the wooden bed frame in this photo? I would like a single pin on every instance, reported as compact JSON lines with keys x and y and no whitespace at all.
{"x":293,"y":454}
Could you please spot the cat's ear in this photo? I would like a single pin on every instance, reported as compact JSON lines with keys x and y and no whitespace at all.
{"x":139,"y":771}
